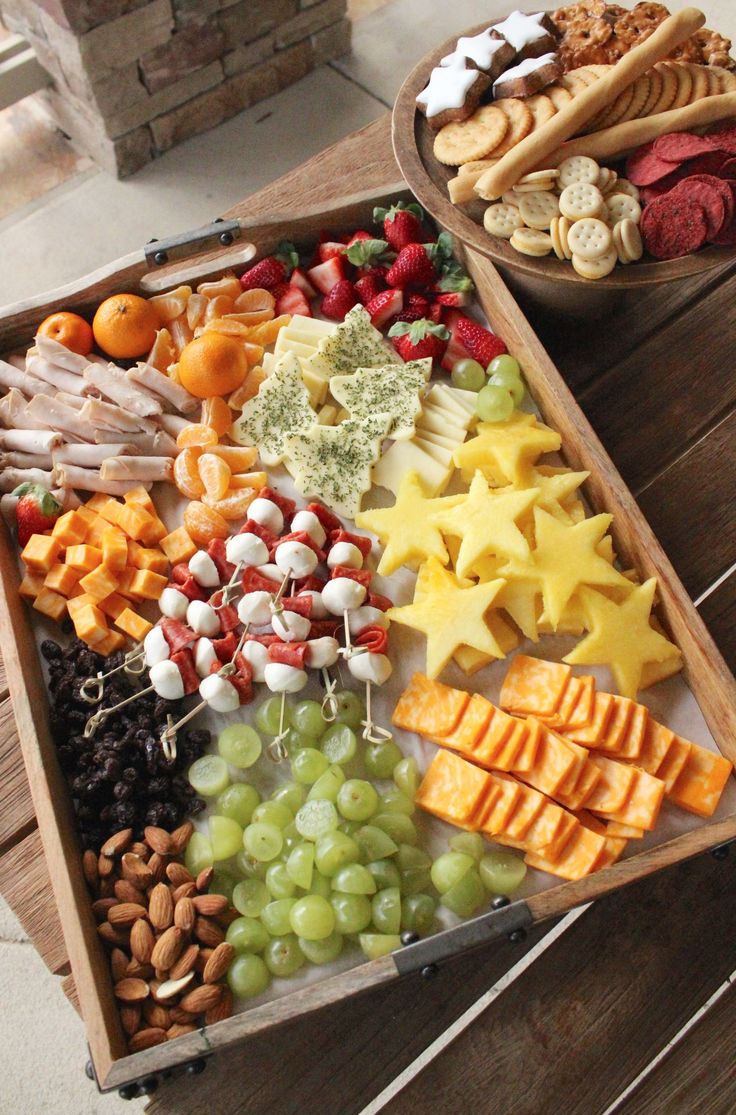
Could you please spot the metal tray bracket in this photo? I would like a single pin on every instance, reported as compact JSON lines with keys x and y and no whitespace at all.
{"x":471,"y":934}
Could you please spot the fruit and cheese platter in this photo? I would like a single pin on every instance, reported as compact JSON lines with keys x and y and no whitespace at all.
{"x":330,"y":630}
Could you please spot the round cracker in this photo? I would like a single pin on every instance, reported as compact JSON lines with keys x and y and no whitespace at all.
{"x":531,"y":242}
{"x":631,"y":239}
{"x":669,"y":89}
{"x":558,"y":95}
{"x":640,"y":96}
{"x":726,"y":79}
{"x":538,"y":208}
{"x":656,"y":83}
{"x":623,"y":186}
{"x":502,"y":220}
{"x":578,"y":168}
{"x":464,"y":141}
{"x":684,"y":84}
{"x":606,"y":181}
{"x":622,"y":206}
{"x":714,"y":85}
{"x":576,"y":80}
{"x":589,"y":238}
{"x":597,"y":69}
{"x":520,"y":123}
{"x":537,"y":176}
{"x":541,"y":108}
{"x":618,"y":108}
{"x":595,"y":268}
{"x":554,"y":235}
{"x":700,"y":81}
{"x":580,"y":199}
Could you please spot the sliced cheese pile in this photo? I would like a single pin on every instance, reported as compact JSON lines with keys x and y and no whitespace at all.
{"x":302,"y":337}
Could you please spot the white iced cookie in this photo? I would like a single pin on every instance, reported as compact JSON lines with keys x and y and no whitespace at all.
{"x":375,"y":668}
{"x":204,"y":570}
{"x":155,"y":647}
{"x":322,"y":652}
{"x":347,"y":554}
{"x":290,"y":626}
{"x":166,"y":679}
{"x":255,"y":608}
{"x":173,"y":603}
{"x":202,"y":618}
{"x":310,"y":524}
{"x":447,"y":88}
{"x":295,"y":559}
{"x":522,"y":30}
{"x":255,"y":653}
{"x":219,"y":694}
{"x":281,"y":678}
{"x":342,"y":594}
{"x":246,"y":549}
{"x":479,"y":49}
{"x":204,"y":657}
{"x":267,"y":513}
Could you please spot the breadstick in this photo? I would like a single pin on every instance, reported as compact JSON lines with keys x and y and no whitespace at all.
{"x":534,"y":149}
{"x":622,"y":138}
{"x":462,"y":187}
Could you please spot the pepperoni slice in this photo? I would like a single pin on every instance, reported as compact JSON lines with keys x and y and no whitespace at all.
{"x":184,"y":660}
{"x":362,"y":576}
{"x":329,"y":521}
{"x":673,"y":227}
{"x":216,"y":550}
{"x":177,"y":634}
{"x":228,"y":616}
{"x":302,"y":605}
{"x":225,"y":648}
{"x":644,"y":167}
{"x":304,"y":538}
{"x":180,"y":572}
{"x":322,"y":627}
{"x":363,"y":544}
{"x":253,"y":581}
{"x":311,"y":584}
{"x":290,"y":654}
{"x":287,"y":506}
{"x":375,"y":600}
{"x":374,"y":638}
{"x":266,"y":535}
{"x":264,"y":640}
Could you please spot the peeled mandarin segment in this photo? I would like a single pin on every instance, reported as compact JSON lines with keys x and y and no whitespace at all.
{"x":249,"y":388}
{"x":172,"y":304}
{"x":196,"y":307}
{"x":238,"y":457}
{"x":253,"y":353}
{"x":234,"y":505}
{"x":250,"y":301}
{"x":254,"y":317}
{"x":228,"y":285}
{"x":267,"y":333}
{"x":186,"y":473}
{"x":218,"y":307}
{"x":229,"y":327}
{"x":181,"y":335}
{"x":256,"y":480}
{"x":217,"y":414}
{"x":203,"y":523}
{"x":162,"y":351}
{"x":215,"y":475}
{"x":196,"y":434}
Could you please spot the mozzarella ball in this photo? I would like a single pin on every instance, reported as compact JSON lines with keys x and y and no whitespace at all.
{"x":204,"y":570}
{"x":345,"y":553}
{"x":290,"y":626}
{"x":318,"y":609}
{"x":167,"y":680}
{"x":296,"y":559}
{"x":255,"y":608}
{"x":310,"y":524}
{"x":204,"y":657}
{"x":202,"y":618}
{"x":155,"y":647}
{"x":370,"y":667}
{"x":267,"y":513}
{"x":255,"y":653}
{"x":281,"y":678}
{"x":343,"y":594}
{"x":246,"y":549}
{"x":272,"y":572}
{"x":322,"y":652}
{"x":219,"y":694}
{"x":173,"y":603}
{"x":367,"y":617}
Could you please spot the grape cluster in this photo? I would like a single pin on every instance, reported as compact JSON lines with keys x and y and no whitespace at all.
{"x":499,"y":393}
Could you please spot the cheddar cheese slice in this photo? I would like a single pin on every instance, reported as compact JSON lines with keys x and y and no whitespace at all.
{"x":655,"y":746}
{"x":570,"y":698}
{"x":615,"y":786}
{"x":623,"y":710}
{"x":587,"y":781}
{"x":473,"y":723}
{"x":529,"y":805}
{"x":429,"y":707}
{"x":642,"y":806}
{"x":595,"y":730}
{"x":577,"y":858}
{"x":554,"y":762}
{"x":674,"y":761}
{"x":493,"y":739}
{"x":493,"y":820}
{"x":583,"y":711}
{"x":527,"y":755}
{"x":699,"y":785}
{"x":534,"y":686}
{"x":453,"y":789}
{"x":633,"y":741}
{"x":628,"y":832}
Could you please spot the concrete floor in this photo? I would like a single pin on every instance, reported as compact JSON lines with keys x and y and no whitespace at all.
{"x":90,"y":220}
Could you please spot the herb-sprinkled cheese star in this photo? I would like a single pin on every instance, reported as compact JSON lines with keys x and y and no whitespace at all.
{"x":405,"y":529}
{"x":393,"y":388}
{"x":281,"y":408}
{"x":333,"y":463}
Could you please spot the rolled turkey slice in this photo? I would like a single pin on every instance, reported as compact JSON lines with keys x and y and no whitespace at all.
{"x":50,"y":412}
{"x":90,"y":456}
{"x":113,"y":383}
{"x":11,"y":376}
{"x":11,"y":477}
{"x":14,"y":459}
{"x":164,"y":388}
{"x":137,"y":468}
{"x":13,"y":413}
{"x":89,"y":480}
{"x":159,"y":444}
{"x":54,"y":376}
{"x":112,"y":417}
{"x":59,"y":354}
{"x":30,"y":441}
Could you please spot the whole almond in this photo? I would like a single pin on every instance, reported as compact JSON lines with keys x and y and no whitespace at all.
{"x":221,"y":1010}
{"x":131,"y":990}
{"x":116,"y":938}
{"x":202,"y":998}
{"x":205,"y":878}
{"x":204,"y":955}
{"x":185,"y":963}
{"x":156,"y":1015}
{"x":89,"y":868}
{"x":142,"y":941}
{"x":167,"y":948}
{"x":140,"y":849}
{"x":161,"y":907}
{"x":123,"y":914}
{"x":136,"y":871}
{"x":180,"y":838}
{"x":179,"y":1029}
{"x":218,"y":964}
{"x":210,"y":904}
{"x":118,"y":964}
{"x":105,"y":866}
{"x":158,"y":839}
{"x":138,"y":970}
{"x":126,"y":892}
{"x":102,"y":906}
{"x":182,"y":1017}
{"x":208,"y":932}
{"x":146,"y":1039}
{"x":117,"y":844}
{"x":177,"y":874}
{"x":130,"y":1017}
{"x":170,"y":988}
{"x":157,"y":866}
{"x":185,"y":915}
{"x":185,"y":890}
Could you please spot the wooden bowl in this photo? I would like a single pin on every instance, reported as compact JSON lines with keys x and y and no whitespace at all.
{"x":549,"y":282}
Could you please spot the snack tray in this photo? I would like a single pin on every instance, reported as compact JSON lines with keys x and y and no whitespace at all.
{"x":699,"y":704}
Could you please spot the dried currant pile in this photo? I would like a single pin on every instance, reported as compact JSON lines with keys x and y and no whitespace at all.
{"x":120,"y":778}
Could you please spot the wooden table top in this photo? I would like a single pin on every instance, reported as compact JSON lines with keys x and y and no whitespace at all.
{"x":584,"y":1008}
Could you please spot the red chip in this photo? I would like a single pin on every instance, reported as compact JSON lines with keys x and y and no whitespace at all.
{"x":723,"y":136}
{"x":714,"y":195}
{"x":710,"y":163}
{"x":644,"y":167}
{"x":673,"y":227}
{"x":675,"y":147}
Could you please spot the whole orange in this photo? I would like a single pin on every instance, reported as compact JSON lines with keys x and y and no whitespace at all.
{"x":70,"y":330}
{"x":125,"y":325}
{"x":213,"y":364}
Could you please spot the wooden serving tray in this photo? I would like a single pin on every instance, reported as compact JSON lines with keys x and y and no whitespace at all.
{"x":708,"y":676}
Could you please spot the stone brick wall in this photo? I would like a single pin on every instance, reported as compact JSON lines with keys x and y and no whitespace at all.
{"x":131,"y":78}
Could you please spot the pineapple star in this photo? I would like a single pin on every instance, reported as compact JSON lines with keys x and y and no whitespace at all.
{"x":449,"y":614}
{"x":555,"y":487}
{"x":621,"y":636}
{"x":504,"y":451}
{"x":405,"y":529}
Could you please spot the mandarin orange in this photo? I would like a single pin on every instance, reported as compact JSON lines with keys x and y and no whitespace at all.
{"x":212,"y":364}
{"x":125,"y":326}
{"x":70,"y":330}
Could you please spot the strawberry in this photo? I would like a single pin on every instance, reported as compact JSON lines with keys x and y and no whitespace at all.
{"x":299,"y":278}
{"x":356,"y":237}
{"x":456,"y":299}
{"x":417,"y":302}
{"x":368,"y":286}
{"x":271,"y":270}
{"x":366,"y":253}
{"x":35,"y":512}
{"x":328,"y":249}
{"x":339,"y":300}
{"x":435,"y":312}
{"x":456,"y":350}
{"x":412,"y":267}
{"x":292,"y":300}
{"x":405,"y":315}
{"x":384,"y":306}
{"x":325,"y":275}
{"x":482,"y":345}
{"x":402,"y":224}
{"x":415,"y":340}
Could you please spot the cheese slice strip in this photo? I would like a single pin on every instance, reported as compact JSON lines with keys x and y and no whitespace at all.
{"x":570,"y":698}
{"x":453,"y":789}
{"x":583,"y":711}
{"x":595,"y":730}
{"x":554,"y":762}
{"x":623,"y":711}
{"x":642,"y":806}
{"x":534,"y":686}
{"x":633,"y":740}
{"x":529,"y":805}
{"x":674,"y":761}
{"x":494,"y":819}
{"x":614,"y":787}
{"x":429,"y":707}
{"x":628,"y":832}
{"x":577,"y":858}
{"x":493,"y":739}
{"x":699,"y":785}
{"x":527,"y":756}
{"x":587,"y":781}
{"x":473,"y":723}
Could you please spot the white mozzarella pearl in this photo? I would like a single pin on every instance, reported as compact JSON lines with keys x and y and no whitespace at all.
{"x":173,"y":603}
{"x":204,"y":570}
{"x":219,"y":694}
{"x":204,"y":657}
{"x":345,"y":553}
{"x":202,"y":618}
{"x":310,"y":524}
{"x":255,"y":653}
{"x":246,"y":548}
{"x":370,"y":667}
{"x":290,"y":626}
{"x":281,"y":678}
{"x":267,"y":513}
{"x":255,"y":608}
{"x":367,"y":617}
{"x":271,"y":571}
{"x":155,"y":647}
{"x":167,"y":680}
{"x":318,"y":609}
{"x":342,"y":594}
{"x":322,"y":652}
{"x":296,"y":559}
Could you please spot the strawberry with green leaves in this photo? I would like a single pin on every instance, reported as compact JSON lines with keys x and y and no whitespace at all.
{"x":402,"y":223}
{"x":35,"y":512}
{"x":416,"y":340}
{"x":272,"y":270}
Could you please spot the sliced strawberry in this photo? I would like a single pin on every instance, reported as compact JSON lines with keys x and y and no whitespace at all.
{"x":482,"y":345}
{"x":293,"y":301}
{"x":455,"y":299}
{"x":329,"y":249}
{"x":356,"y":237}
{"x":414,"y":301}
{"x":299,"y":278}
{"x":455,"y":350}
{"x":436,"y":312}
{"x":419,"y":339}
{"x":384,"y":306}
{"x":325,"y":275}
{"x":340,"y":299}
{"x":412,"y":267}
{"x":368,"y":287}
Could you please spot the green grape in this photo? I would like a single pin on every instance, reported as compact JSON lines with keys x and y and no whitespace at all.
{"x":415,"y":880}
{"x":417,"y":913}
{"x":394,"y":800}
{"x":504,"y":365}
{"x":339,"y":744}
{"x":502,"y":872}
{"x":352,"y":912}
{"x":385,"y":872}
{"x":282,"y":955}
{"x":350,"y":709}
{"x":321,"y":885}
{"x":414,"y":866}
{"x":226,"y":837}
{"x":381,"y":758}
{"x":198,"y":854}
{"x":398,"y":826}
{"x":509,"y":382}
{"x":349,"y":827}
{"x":324,"y":951}
{"x":273,"y":813}
{"x":238,"y":802}
{"x":268,"y":716}
{"x":472,"y":843}
{"x":263,"y":841}
{"x":247,"y":935}
{"x":357,"y":799}
{"x":468,"y":375}
{"x":240,"y":745}
{"x":223,"y":883}
{"x":449,"y":869}
{"x":333,"y":850}
{"x":250,"y":896}
{"x":375,"y":945}
{"x":386,"y":910}
{"x":374,"y":843}
{"x":291,"y":839}
{"x":275,"y":916}
{"x":279,"y":882}
{"x":494,"y":404}
{"x":295,"y":741}
{"x":290,"y":794}
{"x":248,"y":976}
{"x":315,"y":818}
{"x":306,"y":717}
{"x":354,"y":879}
{"x":249,"y":866}
{"x":327,"y":786}
{"x":209,"y":775}
{"x":308,"y":765}
{"x":406,"y":776}
{"x":312,"y":917}
{"x":300,"y":865}
{"x":466,"y":895}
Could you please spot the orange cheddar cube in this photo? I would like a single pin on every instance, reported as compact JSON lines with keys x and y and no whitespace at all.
{"x":77,"y":603}
{"x":70,"y":529}
{"x":101,"y":582}
{"x":452,"y":789}
{"x":50,"y":604}
{"x":90,"y":625}
{"x":147,"y":585}
{"x":114,"y":549}
{"x":142,"y":557}
{"x":111,"y":511}
{"x":534,"y":686}
{"x":140,"y":496}
{"x":133,"y":520}
{"x":700,"y":783}
{"x":125,"y":583}
{"x":96,"y":532}
{"x":473,"y":724}
{"x":97,"y":501}
{"x":113,"y":641}
{"x":133,"y":624}
{"x":178,"y":546}
{"x":429,"y":707}
{"x":154,"y":531}
{"x":87,"y":514}
{"x":40,"y":552}
{"x":84,"y":557}
{"x":62,"y":578}
{"x":113,"y":605}
{"x":31,"y":584}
